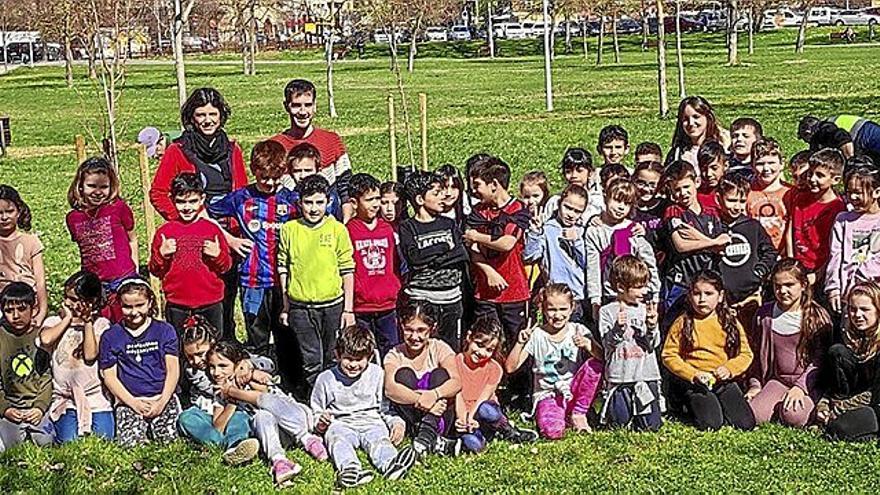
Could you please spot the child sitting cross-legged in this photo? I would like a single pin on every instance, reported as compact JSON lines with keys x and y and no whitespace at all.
{"x":349,"y":403}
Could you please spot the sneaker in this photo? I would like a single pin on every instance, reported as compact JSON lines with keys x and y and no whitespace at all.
{"x":351,"y":477}
{"x":401,"y":464}
{"x":315,"y":447}
{"x":243,"y":452}
{"x":518,"y":435}
{"x":284,"y":470}
{"x":420,"y":448}
{"x":448,"y":447}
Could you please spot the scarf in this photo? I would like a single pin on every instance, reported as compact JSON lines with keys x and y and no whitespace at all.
{"x":212,"y":158}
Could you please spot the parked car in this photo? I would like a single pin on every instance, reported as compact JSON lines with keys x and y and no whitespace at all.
{"x":436,"y":33}
{"x":715,"y":20}
{"x":629,"y":26}
{"x":537,"y":30}
{"x":574,"y":28}
{"x":461,"y":33}
{"x":822,"y":16}
{"x":382,"y":36}
{"x":781,"y":17}
{"x":688,"y":24}
{"x":855,"y":18}
{"x":515,"y":31}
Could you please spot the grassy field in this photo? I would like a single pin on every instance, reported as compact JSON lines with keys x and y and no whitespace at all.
{"x":474,"y":105}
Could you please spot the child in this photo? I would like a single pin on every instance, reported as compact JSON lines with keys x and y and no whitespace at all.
{"x":611,"y":237}
{"x":613,"y":145}
{"x":630,"y":337}
{"x":454,"y":205}
{"x":749,"y":258}
{"x":534,"y":191}
{"x":431,"y":246}
{"x":102,"y":225}
{"x":21,"y":253}
{"x":260,"y":209}
{"x":707,"y":351}
{"x":24,"y":368}
{"x":694,"y":233}
{"x":392,"y":207}
{"x":496,"y":231}
{"x":769,"y":198}
{"x":611,"y":172}
{"x":794,"y":335}
{"x":855,"y":237}
{"x":190,"y":255}
{"x":478,"y":416}
{"x":80,"y":404}
{"x":851,"y":401}
{"x":744,"y":133}
{"x":798,"y":167}
{"x":712,"y":161}
{"x":304,"y":160}
{"x":316,"y":270}
{"x":421,"y":377}
{"x":351,"y":411}
{"x":577,"y":168}
{"x":376,"y":283}
{"x":562,"y":390}
{"x":272,"y":411}
{"x":559,"y":247}
{"x":696,"y":124}
{"x":650,"y":205}
{"x":139,"y":363}
{"x":648,"y":152}
{"x":210,"y":421}
{"x":813,"y":212}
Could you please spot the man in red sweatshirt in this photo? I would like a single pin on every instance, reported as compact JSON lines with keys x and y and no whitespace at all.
{"x":190,"y":255}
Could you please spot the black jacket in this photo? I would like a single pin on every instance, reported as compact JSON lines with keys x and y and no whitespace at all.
{"x":748,"y":260}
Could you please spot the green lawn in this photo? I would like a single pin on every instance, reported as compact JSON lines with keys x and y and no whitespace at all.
{"x":474,"y":105}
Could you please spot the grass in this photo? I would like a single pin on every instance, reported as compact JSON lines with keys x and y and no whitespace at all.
{"x":474,"y":105}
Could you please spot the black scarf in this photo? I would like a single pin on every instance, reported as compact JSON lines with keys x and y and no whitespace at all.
{"x":212,"y":158}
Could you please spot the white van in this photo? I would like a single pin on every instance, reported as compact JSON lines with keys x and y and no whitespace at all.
{"x":822,"y":16}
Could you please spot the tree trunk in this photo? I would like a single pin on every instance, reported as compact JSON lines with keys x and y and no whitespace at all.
{"x":392,"y":47}
{"x":490,"y":30}
{"x":68,"y":56}
{"x":548,"y":56}
{"x":331,"y":100}
{"x":252,"y":40}
{"x":802,"y":30}
{"x":614,"y":37}
{"x":568,"y":48}
{"x":552,"y":34}
{"x":751,"y":30}
{"x":678,"y":55}
{"x":646,"y":29}
{"x":601,"y":40}
{"x":181,"y":12}
{"x":732,"y":35}
{"x":584,"y":32}
{"x":413,"y":49}
{"x":92,"y":53}
{"x":661,"y":61}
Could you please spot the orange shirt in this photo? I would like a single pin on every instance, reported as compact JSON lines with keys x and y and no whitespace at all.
{"x":771,"y":210}
{"x":475,"y":380}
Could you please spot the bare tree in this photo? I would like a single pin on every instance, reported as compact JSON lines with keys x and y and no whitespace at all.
{"x":615,"y":41}
{"x":182,"y":9}
{"x":802,"y":28}
{"x":661,"y":60}
{"x":678,"y":55}
{"x":732,"y":35}
{"x":601,"y":44}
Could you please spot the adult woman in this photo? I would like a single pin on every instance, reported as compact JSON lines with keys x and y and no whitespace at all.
{"x":204,"y":149}
{"x":696,"y":124}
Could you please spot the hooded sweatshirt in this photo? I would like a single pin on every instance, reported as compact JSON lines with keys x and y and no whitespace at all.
{"x":748,"y":259}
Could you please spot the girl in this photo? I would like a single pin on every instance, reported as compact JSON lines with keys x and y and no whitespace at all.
{"x":454,"y":205}
{"x":853,"y":395}
{"x":794,"y":335}
{"x":139,"y":362}
{"x":478,"y":417}
{"x":391,"y":206}
{"x":562,"y":390}
{"x":855,"y":237}
{"x":649,"y":204}
{"x":102,"y":226}
{"x":697,"y":124}
{"x":534,"y":191}
{"x":272,"y":410}
{"x":706,"y":351}
{"x":21,"y":253}
{"x":80,"y":403}
{"x":421,"y":375}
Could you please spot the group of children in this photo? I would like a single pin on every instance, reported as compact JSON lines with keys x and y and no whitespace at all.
{"x":706,"y":286}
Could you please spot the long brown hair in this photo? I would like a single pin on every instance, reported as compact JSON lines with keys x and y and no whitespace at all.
{"x":866,"y":344}
{"x":680,"y":139}
{"x":94,"y":165}
{"x":815,"y":321}
{"x":726,"y":317}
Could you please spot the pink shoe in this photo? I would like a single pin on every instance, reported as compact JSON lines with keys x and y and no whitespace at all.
{"x":315,"y":447}
{"x":284,"y":470}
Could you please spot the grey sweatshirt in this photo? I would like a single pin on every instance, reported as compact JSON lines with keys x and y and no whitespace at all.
{"x":630,"y":351}
{"x":598,"y":238}
{"x":356,"y":402}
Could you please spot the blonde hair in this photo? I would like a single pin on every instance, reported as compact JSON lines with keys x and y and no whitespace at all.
{"x":865,"y":345}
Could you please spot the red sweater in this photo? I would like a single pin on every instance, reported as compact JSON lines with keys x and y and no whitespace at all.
{"x":175,"y":162}
{"x":189,"y":277}
{"x":375,"y":266}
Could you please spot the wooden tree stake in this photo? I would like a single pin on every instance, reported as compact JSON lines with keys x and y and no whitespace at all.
{"x":423,"y":114}
{"x":392,"y":136}
{"x":80,"y":143}
{"x":149,"y":218}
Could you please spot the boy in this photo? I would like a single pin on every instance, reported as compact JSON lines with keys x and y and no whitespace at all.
{"x":24,"y":369}
{"x":712,"y":161}
{"x":769,"y":197}
{"x":190,"y":255}
{"x":648,"y":152}
{"x":613,"y":145}
{"x":797,"y":167}
{"x":431,"y":246}
{"x":577,"y":168}
{"x":495,"y":230}
{"x":813,"y":211}
{"x":304,"y":160}
{"x":316,"y":268}
{"x":744,"y":132}
{"x":694,"y":234}
{"x":376,"y":283}
{"x":349,"y":404}
{"x":613,"y":236}
{"x":750,"y":257}
{"x":260,"y":209}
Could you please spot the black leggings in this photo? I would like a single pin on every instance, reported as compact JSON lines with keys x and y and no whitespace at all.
{"x":712,"y":409}
{"x":847,"y":377}
{"x":857,"y":425}
{"x":419,"y":424}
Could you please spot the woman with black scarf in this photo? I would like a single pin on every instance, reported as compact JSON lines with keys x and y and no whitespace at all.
{"x":204,"y":149}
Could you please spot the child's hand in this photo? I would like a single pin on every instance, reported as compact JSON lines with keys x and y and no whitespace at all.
{"x":595,"y":221}
{"x":284,"y":318}
{"x":397,"y":432}
{"x":525,"y":334}
{"x":638,"y":229}
{"x":168,"y":246}
{"x":438,"y":408}
{"x":244,"y":372}
{"x":834,"y":301}
{"x":323,"y":423}
{"x":496,"y":281}
{"x":14,"y":415}
{"x":751,"y":393}
{"x":473,"y":425}
{"x":32,"y":416}
{"x":140,"y":406}
{"x":794,"y":399}
{"x":570,"y":234}
{"x":211,"y":248}
{"x":705,"y":379}
{"x":225,"y":388}
{"x":823,"y":411}
{"x":155,"y":408}
{"x":347,"y":319}
{"x":652,"y":316}
{"x":722,"y":373}
{"x":582,"y":342}
{"x":811,"y":277}
{"x":461,"y":426}
{"x":426,"y":400}
{"x":65,"y":313}
{"x":241,"y":247}
{"x":470,"y":235}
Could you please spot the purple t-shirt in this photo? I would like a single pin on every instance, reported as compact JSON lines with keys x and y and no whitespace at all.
{"x":139,"y":361}
{"x":102,"y":237}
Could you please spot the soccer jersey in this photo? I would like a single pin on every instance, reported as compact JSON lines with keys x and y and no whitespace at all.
{"x":812,"y":222}
{"x":511,"y":219}
{"x":260,"y":216}
{"x":680,"y":267}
